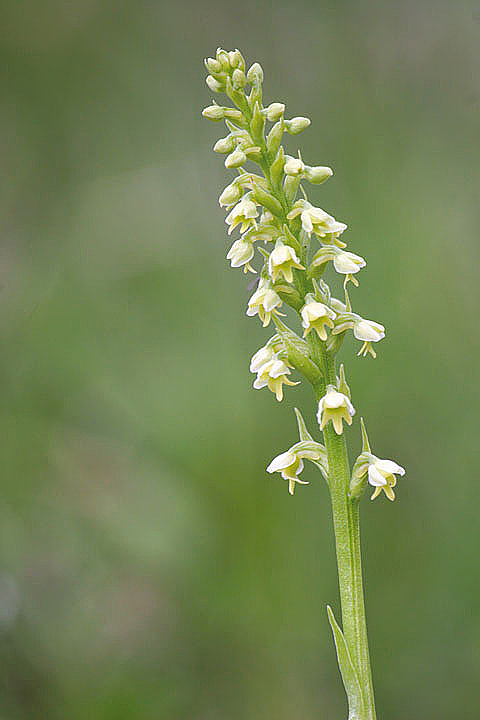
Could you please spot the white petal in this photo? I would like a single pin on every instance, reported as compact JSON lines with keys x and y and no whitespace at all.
{"x":334,"y":399}
{"x":281,"y":461}
{"x":389,"y":466}
{"x":375,"y":478}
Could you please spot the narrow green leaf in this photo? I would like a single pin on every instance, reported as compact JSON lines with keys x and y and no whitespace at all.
{"x":350,"y":679}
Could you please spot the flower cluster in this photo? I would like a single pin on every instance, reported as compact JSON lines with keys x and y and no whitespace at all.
{"x":290,"y":243}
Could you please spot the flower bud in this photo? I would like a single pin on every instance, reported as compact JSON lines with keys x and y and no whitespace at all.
{"x":230,"y":195}
{"x":236,"y":59}
{"x":213,"y":84}
{"x":235,"y":159}
{"x":317,"y":175}
{"x":214,"y":112}
{"x":213,"y":66}
{"x":296,"y":125}
{"x":255,"y":74}
{"x":294,"y":166}
{"x":233,"y":114}
{"x":224,"y":145}
{"x":274,"y":111}
{"x":223,"y":59}
{"x":238,"y":79}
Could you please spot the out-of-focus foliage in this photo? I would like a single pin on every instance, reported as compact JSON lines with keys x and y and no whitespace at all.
{"x":150,"y":568}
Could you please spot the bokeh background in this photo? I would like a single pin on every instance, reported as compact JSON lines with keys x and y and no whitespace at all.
{"x":149,"y":567}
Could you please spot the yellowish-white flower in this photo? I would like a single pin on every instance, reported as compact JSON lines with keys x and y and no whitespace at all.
{"x":244,"y":214}
{"x":262,"y":357}
{"x":274,"y":111}
{"x":381,"y":475}
{"x":367,"y":331}
{"x":293,"y":166}
{"x":273,"y":374}
{"x":316,"y":220}
{"x":281,"y":261}
{"x":316,"y":316}
{"x":347,"y":263}
{"x":240,"y":254}
{"x":264,"y":302}
{"x":335,"y":406}
{"x":297,"y":125}
{"x":290,"y":466}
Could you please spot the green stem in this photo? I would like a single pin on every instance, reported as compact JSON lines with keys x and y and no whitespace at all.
{"x":347,"y":541}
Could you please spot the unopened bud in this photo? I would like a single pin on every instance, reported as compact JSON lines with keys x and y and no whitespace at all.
{"x":296,"y":125}
{"x":274,"y":111}
{"x":223,"y":59}
{"x":294,"y":166}
{"x":213,"y":84}
{"x":236,"y":59}
{"x":319,"y":174}
{"x":239,"y":79}
{"x":214,"y":112}
{"x":235,"y":159}
{"x":230,"y":195}
{"x":255,"y":74}
{"x":225,"y":145}
{"x":213,"y":66}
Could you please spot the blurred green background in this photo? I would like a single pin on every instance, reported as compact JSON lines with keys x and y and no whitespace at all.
{"x":149,"y":567}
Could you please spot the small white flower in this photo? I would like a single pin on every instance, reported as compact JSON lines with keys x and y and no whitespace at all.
{"x":335,"y":406}
{"x":347,"y":263}
{"x":274,"y":375}
{"x":290,"y":466}
{"x":274,"y":111}
{"x":264,"y":302}
{"x":316,"y":316}
{"x":281,"y":261}
{"x":294,"y":166}
{"x":310,"y":216}
{"x":240,"y":254}
{"x":381,"y":475}
{"x":369,"y":332}
{"x":262,"y":357}
{"x":243,"y":213}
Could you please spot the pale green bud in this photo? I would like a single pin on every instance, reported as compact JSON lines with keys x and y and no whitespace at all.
{"x":223,"y":59}
{"x":233,"y":114}
{"x":274,"y":111}
{"x":317,"y":175}
{"x":255,"y":74}
{"x":230,"y":195}
{"x":235,"y":159}
{"x":239,"y":79}
{"x":214,"y":112}
{"x":224,"y":145}
{"x":213,"y":66}
{"x":274,"y":137}
{"x":213,"y":84}
{"x":236,"y":59}
{"x":296,"y":125}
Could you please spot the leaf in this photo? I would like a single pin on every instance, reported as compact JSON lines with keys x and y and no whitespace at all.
{"x":350,"y":679}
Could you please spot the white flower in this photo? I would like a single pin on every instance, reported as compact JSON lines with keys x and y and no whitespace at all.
{"x":369,"y":332}
{"x":290,"y":466}
{"x":365,"y":330}
{"x":294,"y":166}
{"x":240,"y":254}
{"x":261,"y":357}
{"x":274,"y":111}
{"x":263,"y":302}
{"x":316,"y":316}
{"x":274,"y":375}
{"x":245,"y":213}
{"x":281,"y":261}
{"x":335,"y":406}
{"x":347,"y":263}
{"x":309,"y":215}
{"x":381,"y":475}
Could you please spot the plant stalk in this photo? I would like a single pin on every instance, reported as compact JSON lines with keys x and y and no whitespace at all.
{"x":346,"y":524}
